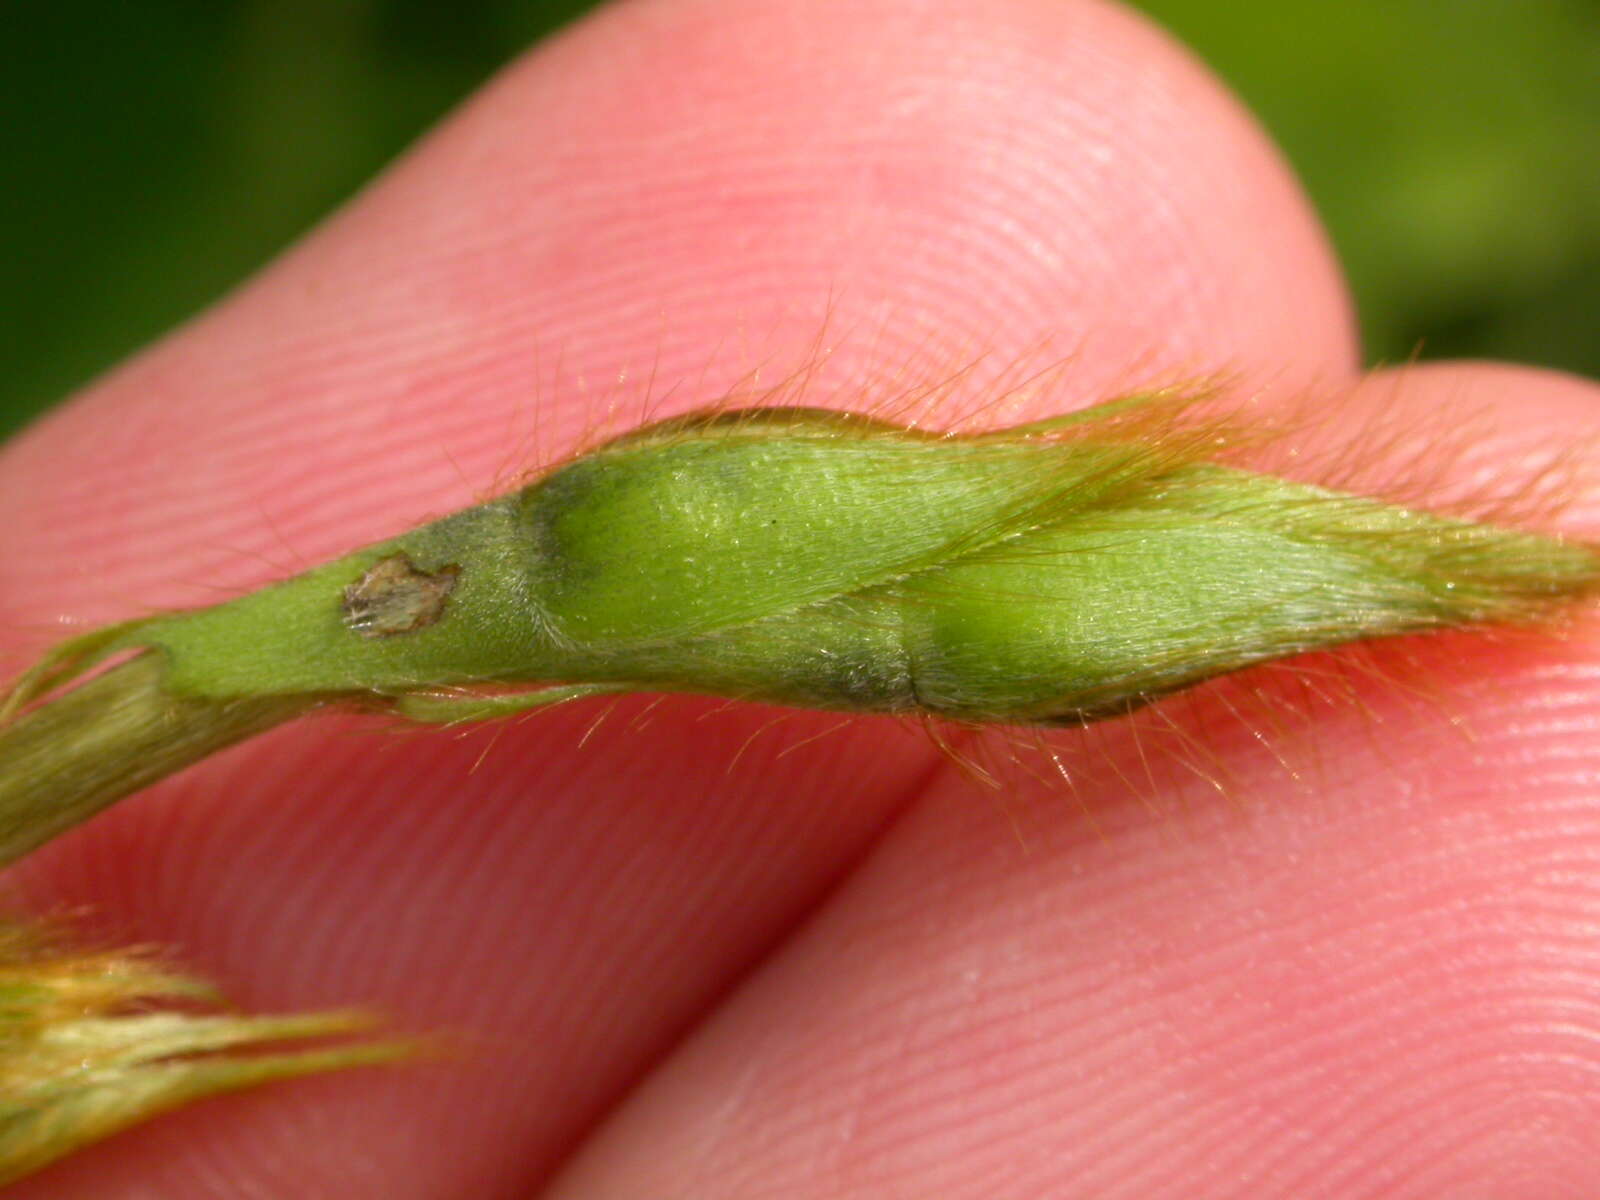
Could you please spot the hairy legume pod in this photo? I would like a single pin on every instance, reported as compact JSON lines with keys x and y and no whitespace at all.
{"x":1058,"y":572}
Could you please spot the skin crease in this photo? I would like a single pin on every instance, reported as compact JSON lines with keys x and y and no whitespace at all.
{"x":1364,"y":967}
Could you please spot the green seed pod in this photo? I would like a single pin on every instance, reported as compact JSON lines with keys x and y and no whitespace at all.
{"x":1058,"y":572}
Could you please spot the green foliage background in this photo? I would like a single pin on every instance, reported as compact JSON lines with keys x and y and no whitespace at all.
{"x":157,"y":151}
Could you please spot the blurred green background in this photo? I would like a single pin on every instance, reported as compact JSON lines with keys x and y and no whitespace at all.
{"x":159,"y":150}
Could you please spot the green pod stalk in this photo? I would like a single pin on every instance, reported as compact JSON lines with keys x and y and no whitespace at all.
{"x":1053,"y":573}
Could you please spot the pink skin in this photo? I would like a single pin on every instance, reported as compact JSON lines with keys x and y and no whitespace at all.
{"x":1365,"y":969}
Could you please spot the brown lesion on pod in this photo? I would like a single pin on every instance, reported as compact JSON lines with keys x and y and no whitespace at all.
{"x":396,"y":596}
